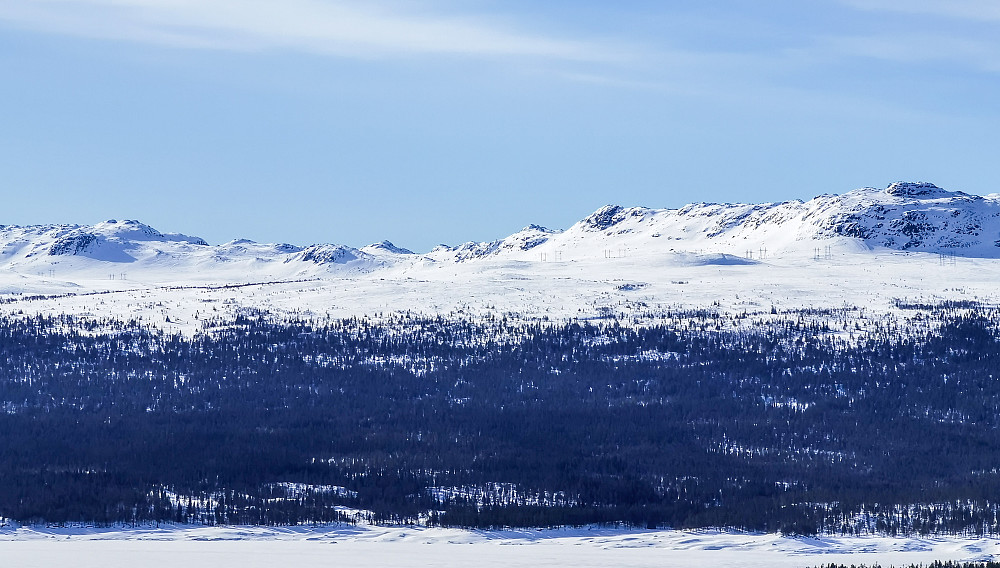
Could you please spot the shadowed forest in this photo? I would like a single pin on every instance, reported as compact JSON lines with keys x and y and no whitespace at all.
{"x":491,"y":423}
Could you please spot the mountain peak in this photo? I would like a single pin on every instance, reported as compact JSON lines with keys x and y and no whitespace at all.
{"x":536,"y":228}
{"x":327,"y":254}
{"x":603,"y":218}
{"x":128,"y":228}
{"x":132,"y":230}
{"x":906,"y":216}
{"x":918,"y":189}
{"x":387,"y":246}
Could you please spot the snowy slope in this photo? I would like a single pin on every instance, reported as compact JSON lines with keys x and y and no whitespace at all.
{"x":116,"y":249}
{"x":905,"y":216}
{"x":867,"y":248}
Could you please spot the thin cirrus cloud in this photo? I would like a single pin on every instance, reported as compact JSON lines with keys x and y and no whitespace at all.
{"x":960,"y":33}
{"x":983,"y":55}
{"x":976,"y":10}
{"x":329,"y":27}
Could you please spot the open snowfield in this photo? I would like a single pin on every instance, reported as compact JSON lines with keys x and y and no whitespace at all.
{"x":867,"y":248}
{"x":253,"y":547}
{"x":629,"y":287}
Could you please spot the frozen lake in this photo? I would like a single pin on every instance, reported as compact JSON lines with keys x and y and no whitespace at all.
{"x":253,"y":547}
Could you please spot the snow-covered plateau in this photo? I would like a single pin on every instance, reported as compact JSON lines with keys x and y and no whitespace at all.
{"x":870,"y":248}
{"x":309,"y":547}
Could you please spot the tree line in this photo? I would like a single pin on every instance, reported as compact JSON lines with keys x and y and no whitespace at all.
{"x":489,"y":423}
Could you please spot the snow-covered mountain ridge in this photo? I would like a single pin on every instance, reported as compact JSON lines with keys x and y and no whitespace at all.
{"x":868,"y":247}
{"x":905,"y":216}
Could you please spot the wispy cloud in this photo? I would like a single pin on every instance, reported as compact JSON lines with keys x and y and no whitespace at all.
{"x":958,"y":32}
{"x":980,"y":54}
{"x":977,"y":10}
{"x":375,"y":28}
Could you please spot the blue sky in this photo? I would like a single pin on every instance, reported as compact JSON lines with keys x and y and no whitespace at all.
{"x":430,"y":121}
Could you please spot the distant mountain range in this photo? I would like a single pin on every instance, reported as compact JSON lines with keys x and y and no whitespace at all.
{"x":905,"y":217}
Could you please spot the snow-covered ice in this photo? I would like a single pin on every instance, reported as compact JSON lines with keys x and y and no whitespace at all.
{"x":307,"y":547}
{"x":418,"y":546}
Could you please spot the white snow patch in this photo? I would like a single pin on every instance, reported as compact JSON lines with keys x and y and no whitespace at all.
{"x":347,"y":545}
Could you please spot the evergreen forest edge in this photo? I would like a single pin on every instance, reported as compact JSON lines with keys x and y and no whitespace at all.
{"x":494,"y":423}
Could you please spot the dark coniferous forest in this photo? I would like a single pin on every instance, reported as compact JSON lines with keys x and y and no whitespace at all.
{"x":490,"y":423}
